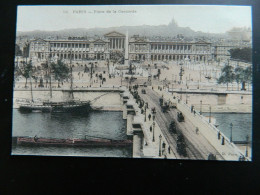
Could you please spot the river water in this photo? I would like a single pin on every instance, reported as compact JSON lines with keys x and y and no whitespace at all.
{"x":65,"y":125}
{"x":100,"y":124}
{"x":242,"y":124}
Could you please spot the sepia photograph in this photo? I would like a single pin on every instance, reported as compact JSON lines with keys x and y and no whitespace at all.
{"x":133,"y":81}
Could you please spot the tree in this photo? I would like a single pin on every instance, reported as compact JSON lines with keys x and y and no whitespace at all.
{"x":227,"y":75}
{"x":248,"y":75}
{"x":244,"y":54}
{"x":60,"y":70}
{"x":35,"y":78}
{"x":45,"y":68}
{"x":243,"y":76}
{"x":239,"y":77}
{"x":26,"y":71}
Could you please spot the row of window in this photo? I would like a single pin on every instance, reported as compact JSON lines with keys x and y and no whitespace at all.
{"x":70,"y":45}
{"x":170,"y":47}
{"x":166,"y":47}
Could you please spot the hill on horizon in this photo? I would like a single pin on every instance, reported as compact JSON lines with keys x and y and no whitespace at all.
{"x":170,"y":30}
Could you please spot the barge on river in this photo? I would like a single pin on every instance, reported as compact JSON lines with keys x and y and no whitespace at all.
{"x":70,"y":142}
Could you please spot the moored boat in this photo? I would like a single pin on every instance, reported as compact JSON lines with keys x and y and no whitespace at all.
{"x":71,"y":142}
{"x":50,"y":106}
{"x":71,"y":105}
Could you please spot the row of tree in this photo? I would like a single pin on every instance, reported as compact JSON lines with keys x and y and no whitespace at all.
{"x":243,"y":54}
{"x":59,"y":70}
{"x":239,"y":75}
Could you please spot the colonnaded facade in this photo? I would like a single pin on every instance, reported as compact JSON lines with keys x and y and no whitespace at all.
{"x":145,"y":49}
{"x":99,"y":49}
{"x":139,"y":49}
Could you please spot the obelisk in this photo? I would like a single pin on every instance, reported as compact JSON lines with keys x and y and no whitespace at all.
{"x":126,"y":49}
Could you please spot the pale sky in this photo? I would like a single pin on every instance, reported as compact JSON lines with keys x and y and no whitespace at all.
{"x":213,"y":19}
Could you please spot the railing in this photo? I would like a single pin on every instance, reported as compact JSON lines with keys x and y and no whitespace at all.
{"x":209,"y":126}
{"x":213,"y":128}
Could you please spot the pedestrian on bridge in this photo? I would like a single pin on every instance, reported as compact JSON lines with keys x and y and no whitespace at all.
{"x":197,"y":130}
{"x":149,"y":116}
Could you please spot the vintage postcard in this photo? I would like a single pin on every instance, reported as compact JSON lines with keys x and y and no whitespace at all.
{"x":139,"y":81}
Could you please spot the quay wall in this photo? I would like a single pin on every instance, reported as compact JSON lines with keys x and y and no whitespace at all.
{"x":215,"y":99}
{"x":231,"y":102}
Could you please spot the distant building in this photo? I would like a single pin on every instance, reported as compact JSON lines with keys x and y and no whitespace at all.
{"x":140,"y":48}
{"x":80,"y":49}
{"x":244,"y":34}
{"x":222,"y":47}
{"x":145,"y":49}
{"x":69,"y":49}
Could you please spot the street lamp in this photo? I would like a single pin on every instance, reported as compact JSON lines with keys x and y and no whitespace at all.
{"x":209,"y":114}
{"x":200,"y":74}
{"x":153,"y":131}
{"x":200,"y":107}
{"x":231,"y":125}
{"x":153,"y":113}
{"x":160,"y":151}
{"x":145,"y":112}
{"x":172,"y":83}
{"x":186,"y":98}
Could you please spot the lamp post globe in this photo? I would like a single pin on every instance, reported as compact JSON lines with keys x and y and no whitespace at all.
{"x":200,"y":107}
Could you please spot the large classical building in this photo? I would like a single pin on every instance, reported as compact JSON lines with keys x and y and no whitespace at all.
{"x":69,"y":49}
{"x":139,"y":48}
{"x":145,"y":49}
{"x":99,"y":49}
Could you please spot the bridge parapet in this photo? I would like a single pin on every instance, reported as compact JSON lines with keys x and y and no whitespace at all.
{"x":228,"y":150}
